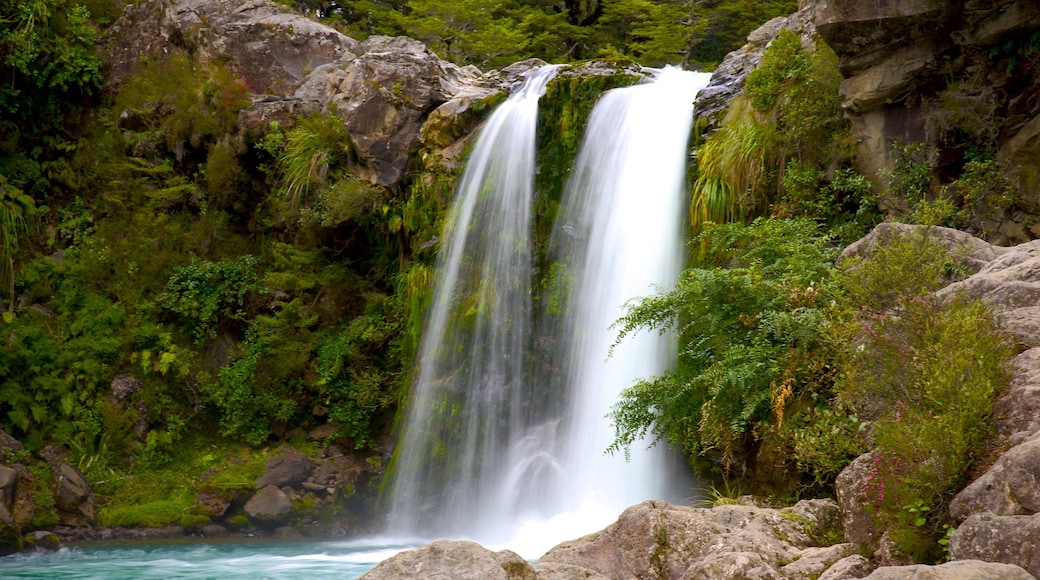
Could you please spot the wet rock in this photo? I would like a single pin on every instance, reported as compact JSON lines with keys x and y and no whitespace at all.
{"x":215,"y":531}
{"x":452,"y":560}
{"x":42,"y":540}
{"x":1005,"y":539}
{"x":959,"y":570}
{"x":288,"y":468}
{"x":10,"y":535}
{"x":269,"y":505}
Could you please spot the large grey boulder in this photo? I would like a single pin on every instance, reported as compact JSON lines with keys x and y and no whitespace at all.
{"x":1006,"y":539}
{"x":657,"y":539}
{"x":453,"y":560}
{"x":73,"y":496}
{"x":265,"y":43}
{"x":288,"y":467}
{"x":958,"y":570}
{"x":1010,"y":487}
{"x":854,"y":566}
{"x":967,"y":250}
{"x":269,"y":506}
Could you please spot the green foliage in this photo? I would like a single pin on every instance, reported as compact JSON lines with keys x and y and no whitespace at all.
{"x":17,"y":211}
{"x":351,"y":384}
{"x":312,"y":147}
{"x":205,"y":295}
{"x":824,"y":440}
{"x":899,"y":267}
{"x":45,"y":513}
{"x":748,"y":323}
{"x":924,"y":371}
{"x":789,"y":117}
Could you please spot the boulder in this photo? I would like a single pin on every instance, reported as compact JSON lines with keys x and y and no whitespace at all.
{"x":269,"y":506}
{"x":857,"y":510}
{"x":812,"y":562}
{"x":42,"y":540}
{"x":24,"y":504}
{"x":655,"y":539}
{"x":454,"y":560}
{"x":1016,"y":414}
{"x":214,"y":503}
{"x":288,"y":468}
{"x":1006,"y":539}
{"x":854,"y":566}
{"x":558,"y":571}
{"x":8,"y":484}
{"x":72,"y":496}
{"x":958,"y":570}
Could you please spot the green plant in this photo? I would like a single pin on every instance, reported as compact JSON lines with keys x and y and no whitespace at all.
{"x":313,"y":147}
{"x":749,"y":326}
{"x":206,"y":294}
{"x":924,"y":371}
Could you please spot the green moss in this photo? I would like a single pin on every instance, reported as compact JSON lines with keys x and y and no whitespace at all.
{"x":45,"y":514}
{"x":154,"y":514}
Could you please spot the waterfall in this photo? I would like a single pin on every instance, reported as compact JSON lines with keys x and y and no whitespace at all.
{"x":620,"y":234}
{"x":503,"y":442}
{"x":468,"y":402}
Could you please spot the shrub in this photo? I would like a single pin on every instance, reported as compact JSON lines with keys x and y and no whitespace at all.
{"x":749,"y":327}
{"x":206,"y":294}
{"x":924,"y":371}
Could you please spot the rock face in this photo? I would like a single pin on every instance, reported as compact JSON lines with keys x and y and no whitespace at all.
{"x":1007,"y":539}
{"x":899,"y":57}
{"x":383,"y":88}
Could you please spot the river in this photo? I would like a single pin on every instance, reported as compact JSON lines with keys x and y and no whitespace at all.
{"x":256,"y":560}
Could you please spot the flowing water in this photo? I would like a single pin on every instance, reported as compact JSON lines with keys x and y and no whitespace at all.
{"x":496,"y":448}
{"x":256,"y":560}
{"x":469,"y":402}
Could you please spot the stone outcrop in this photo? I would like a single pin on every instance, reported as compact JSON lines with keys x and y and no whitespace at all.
{"x":999,"y":512}
{"x":287,"y":468}
{"x":655,"y":539}
{"x":383,"y":89}
{"x":899,"y":57}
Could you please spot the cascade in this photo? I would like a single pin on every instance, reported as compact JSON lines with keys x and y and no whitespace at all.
{"x":495,"y":447}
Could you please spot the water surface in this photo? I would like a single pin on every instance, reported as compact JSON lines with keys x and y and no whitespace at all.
{"x":260,"y":560}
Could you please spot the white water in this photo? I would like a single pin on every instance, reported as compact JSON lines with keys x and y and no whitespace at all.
{"x":519,"y":454}
{"x":621,"y":230}
{"x":468,"y":403}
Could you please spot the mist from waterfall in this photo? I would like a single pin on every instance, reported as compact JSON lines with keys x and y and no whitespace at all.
{"x":504,"y":436}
